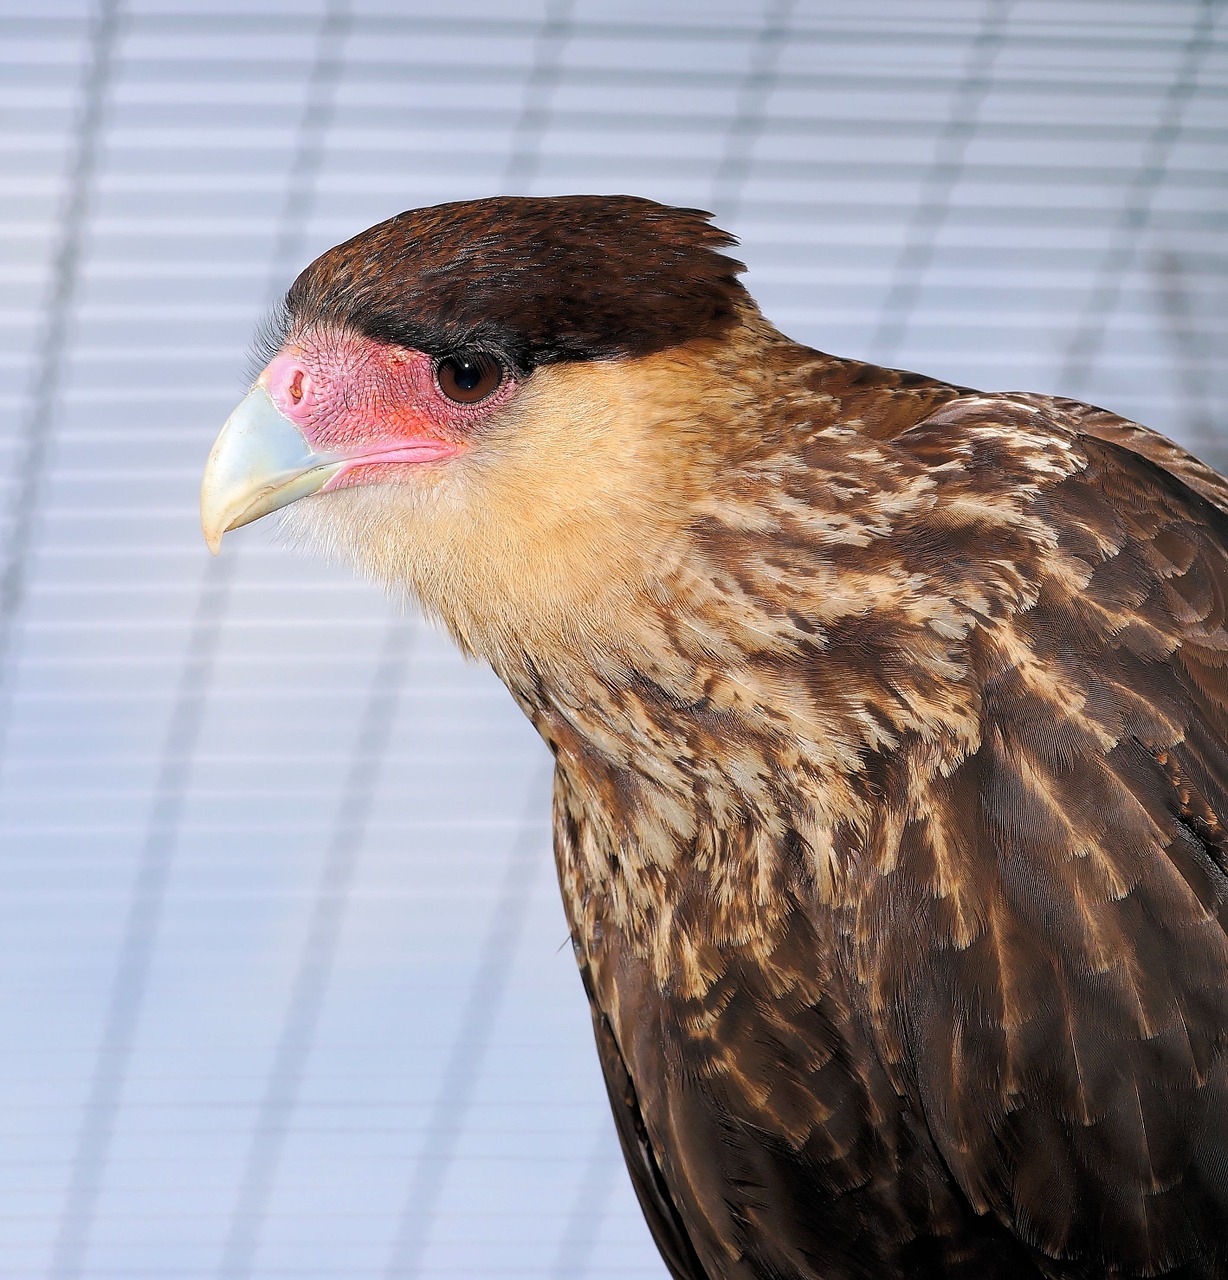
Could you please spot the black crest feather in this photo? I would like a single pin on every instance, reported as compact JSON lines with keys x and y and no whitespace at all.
{"x":537,"y":280}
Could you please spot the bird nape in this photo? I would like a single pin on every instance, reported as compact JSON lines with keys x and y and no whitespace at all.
{"x":890,"y":721}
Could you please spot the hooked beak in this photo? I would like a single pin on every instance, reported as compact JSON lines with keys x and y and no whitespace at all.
{"x":260,"y":462}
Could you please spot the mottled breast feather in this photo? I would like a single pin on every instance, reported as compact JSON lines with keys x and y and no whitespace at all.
{"x":532,"y":280}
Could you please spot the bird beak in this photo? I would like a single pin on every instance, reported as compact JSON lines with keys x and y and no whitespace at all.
{"x":260,"y":462}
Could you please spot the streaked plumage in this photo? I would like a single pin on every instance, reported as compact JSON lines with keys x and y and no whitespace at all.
{"x":891,"y":728}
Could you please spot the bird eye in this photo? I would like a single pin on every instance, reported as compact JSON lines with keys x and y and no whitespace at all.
{"x":468,"y":379}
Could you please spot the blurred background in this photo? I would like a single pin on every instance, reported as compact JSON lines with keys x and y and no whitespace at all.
{"x":283,"y":989}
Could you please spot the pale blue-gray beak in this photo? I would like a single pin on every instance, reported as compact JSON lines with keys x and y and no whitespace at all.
{"x":260,"y":461}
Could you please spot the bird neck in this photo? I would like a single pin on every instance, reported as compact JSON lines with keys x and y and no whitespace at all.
{"x":684,"y":568}
{"x":703,"y":624}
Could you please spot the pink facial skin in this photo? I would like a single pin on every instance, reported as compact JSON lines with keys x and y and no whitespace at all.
{"x":376,"y":406}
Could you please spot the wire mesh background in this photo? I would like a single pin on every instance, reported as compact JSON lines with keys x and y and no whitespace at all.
{"x":282,"y":989}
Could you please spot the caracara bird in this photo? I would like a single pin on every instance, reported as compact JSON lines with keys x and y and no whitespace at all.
{"x":891,"y":730}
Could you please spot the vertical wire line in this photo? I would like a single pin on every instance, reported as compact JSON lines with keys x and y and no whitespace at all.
{"x":750,"y":109}
{"x":524,"y":159}
{"x":467,"y":1052}
{"x":318,"y":955}
{"x":1125,"y":239}
{"x":934,"y":201}
{"x":93,"y":1135}
{"x":1190,"y":353}
{"x":42,"y":401}
{"x":143,"y":916}
{"x":578,"y":1243}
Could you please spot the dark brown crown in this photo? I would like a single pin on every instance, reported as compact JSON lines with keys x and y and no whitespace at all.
{"x":536,"y":280}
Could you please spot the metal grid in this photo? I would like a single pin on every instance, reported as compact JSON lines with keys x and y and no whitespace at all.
{"x":283,"y":990}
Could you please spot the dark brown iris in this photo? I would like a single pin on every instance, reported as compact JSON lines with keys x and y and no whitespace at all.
{"x":468,"y":378}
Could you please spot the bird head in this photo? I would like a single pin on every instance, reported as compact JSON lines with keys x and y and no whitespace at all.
{"x":468,"y":399}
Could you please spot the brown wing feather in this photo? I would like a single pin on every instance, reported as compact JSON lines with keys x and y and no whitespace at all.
{"x":658,"y":1206}
{"x":995,"y":1044}
{"x":1171,"y":458}
{"x":1063,"y":1010}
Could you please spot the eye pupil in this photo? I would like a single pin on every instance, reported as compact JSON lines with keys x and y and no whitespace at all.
{"x":468,"y":375}
{"x":468,"y":378}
